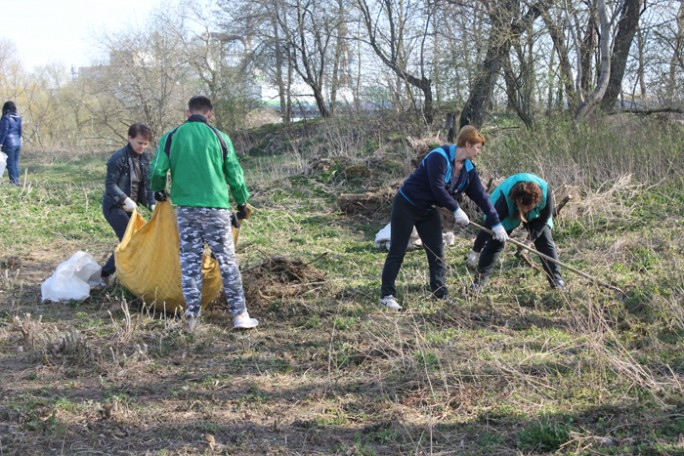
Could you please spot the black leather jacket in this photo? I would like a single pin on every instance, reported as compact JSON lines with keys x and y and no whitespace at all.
{"x":118,"y":181}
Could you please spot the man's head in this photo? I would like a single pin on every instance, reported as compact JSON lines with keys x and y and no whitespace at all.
{"x":200,"y":104}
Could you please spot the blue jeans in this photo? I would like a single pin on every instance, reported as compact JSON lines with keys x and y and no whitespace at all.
{"x":13,"y":163}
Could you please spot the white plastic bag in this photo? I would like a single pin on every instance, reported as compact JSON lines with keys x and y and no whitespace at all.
{"x":72,"y":279}
{"x":383,"y":238}
{"x":3,"y":163}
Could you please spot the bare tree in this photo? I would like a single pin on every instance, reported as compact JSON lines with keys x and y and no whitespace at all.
{"x":520,"y":66}
{"x":675,"y":40}
{"x":222,"y":58}
{"x":144,"y":79}
{"x":308,"y":34}
{"x":556,"y":21}
{"x":592,"y":101}
{"x":12,"y":74}
{"x":397,"y":30}
{"x":507,"y":25}
{"x":626,"y":29}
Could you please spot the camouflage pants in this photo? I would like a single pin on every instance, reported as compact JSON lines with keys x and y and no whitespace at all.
{"x":197,"y":226}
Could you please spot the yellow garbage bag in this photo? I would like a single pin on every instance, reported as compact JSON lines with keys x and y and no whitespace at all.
{"x":148,"y":262}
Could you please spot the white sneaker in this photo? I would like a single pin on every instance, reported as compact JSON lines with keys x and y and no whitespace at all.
{"x":472,"y":260}
{"x":191,"y":323}
{"x":390,"y":302}
{"x":244,"y":321}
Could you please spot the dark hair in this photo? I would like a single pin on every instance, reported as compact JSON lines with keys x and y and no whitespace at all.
{"x":9,"y":106}
{"x":526,"y":193}
{"x":139,"y":129}
{"x":199,"y":103}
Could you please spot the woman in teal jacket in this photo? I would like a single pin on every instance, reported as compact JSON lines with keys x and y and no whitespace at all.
{"x":521,"y":198}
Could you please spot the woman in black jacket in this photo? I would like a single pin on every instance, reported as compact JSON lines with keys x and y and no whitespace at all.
{"x":442,"y":176}
{"x":127,"y":185}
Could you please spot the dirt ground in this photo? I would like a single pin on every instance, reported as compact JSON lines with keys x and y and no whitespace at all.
{"x":77,"y":380}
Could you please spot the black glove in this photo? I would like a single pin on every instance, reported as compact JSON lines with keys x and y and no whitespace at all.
{"x":242,"y":211}
{"x":160,"y":196}
{"x":234,"y":220}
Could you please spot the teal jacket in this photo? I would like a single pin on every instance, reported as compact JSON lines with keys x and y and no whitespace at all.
{"x":508,"y":211}
{"x":202,"y":161}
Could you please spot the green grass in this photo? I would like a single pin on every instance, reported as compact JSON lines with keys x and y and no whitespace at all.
{"x":519,"y":370}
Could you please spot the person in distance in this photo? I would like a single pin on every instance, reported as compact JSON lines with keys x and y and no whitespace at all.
{"x":10,"y":139}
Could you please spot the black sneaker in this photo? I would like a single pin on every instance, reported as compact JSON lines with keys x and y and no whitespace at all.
{"x":474,"y":289}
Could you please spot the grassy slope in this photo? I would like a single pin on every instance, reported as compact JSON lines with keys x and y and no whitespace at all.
{"x":521,"y":370}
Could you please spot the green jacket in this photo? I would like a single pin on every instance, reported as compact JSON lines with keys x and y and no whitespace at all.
{"x":201,"y":165}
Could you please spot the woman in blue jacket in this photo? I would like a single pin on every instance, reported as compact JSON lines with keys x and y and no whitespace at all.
{"x":127,"y":185}
{"x":522,"y":198}
{"x":442,"y":176}
{"x":10,"y":139}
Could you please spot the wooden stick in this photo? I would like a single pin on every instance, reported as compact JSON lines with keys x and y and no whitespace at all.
{"x":525,"y":259}
{"x":553,"y":260}
{"x":557,"y":208}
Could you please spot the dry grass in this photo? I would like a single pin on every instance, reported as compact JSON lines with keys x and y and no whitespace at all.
{"x":329,"y":372}
{"x":278,"y":277}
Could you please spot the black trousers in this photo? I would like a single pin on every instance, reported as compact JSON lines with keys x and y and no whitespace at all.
{"x":118,"y":219}
{"x":490,"y":249}
{"x":429,"y":226}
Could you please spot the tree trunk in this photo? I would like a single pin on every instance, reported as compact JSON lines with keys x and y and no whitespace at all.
{"x":473,"y":110}
{"x":588,"y":107}
{"x":629,"y":19}
{"x":565,"y":67}
{"x":285,"y":113}
{"x":320,"y":102}
{"x":675,"y":61}
{"x":498,"y":46}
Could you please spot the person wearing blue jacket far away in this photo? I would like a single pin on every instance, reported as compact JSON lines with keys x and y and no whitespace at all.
{"x":441,"y":177}
{"x":10,"y":139}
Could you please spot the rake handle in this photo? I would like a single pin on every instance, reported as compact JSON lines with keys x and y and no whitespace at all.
{"x":553,"y":260}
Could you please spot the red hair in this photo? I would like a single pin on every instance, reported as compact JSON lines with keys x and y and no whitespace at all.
{"x":469,"y":134}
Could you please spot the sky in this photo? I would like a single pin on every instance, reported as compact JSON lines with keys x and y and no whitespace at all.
{"x":64,"y":31}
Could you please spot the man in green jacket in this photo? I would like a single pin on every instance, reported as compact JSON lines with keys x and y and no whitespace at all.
{"x":202,"y":161}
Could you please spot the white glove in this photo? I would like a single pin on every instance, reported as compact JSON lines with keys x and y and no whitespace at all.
{"x":472,"y":260}
{"x":500,"y":233}
{"x":461,"y":218}
{"x":129,"y":205}
{"x":152,"y":206}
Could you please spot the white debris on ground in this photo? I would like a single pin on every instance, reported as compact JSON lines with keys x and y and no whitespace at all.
{"x":382,"y":238}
